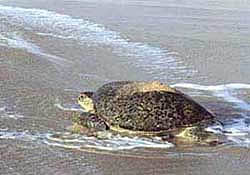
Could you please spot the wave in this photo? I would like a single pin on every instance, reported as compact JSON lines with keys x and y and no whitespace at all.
{"x":75,"y":141}
{"x":14,"y":40}
{"x":70,"y":107}
{"x":223,"y":87}
{"x":5,"y":113}
{"x":153,"y":59}
{"x":222,"y":91}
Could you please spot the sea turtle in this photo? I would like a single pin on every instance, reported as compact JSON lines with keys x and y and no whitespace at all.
{"x":144,"y":108}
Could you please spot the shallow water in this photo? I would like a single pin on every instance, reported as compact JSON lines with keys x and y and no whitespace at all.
{"x":50,"y":51}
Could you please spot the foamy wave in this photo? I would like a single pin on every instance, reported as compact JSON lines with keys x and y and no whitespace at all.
{"x":238,"y":103}
{"x":230,"y":86}
{"x":235,"y":130}
{"x":244,"y":142}
{"x":74,"y":141}
{"x":2,"y":109}
{"x":113,"y":143}
{"x":238,"y":127}
{"x":24,"y":135}
{"x":222,"y":91}
{"x":153,"y":59}
{"x":5,"y":113}
{"x":13,"y":40}
{"x":70,"y":108}
{"x":238,"y":132}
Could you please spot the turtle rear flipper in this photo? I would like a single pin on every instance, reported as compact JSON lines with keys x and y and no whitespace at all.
{"x":198,"y":135}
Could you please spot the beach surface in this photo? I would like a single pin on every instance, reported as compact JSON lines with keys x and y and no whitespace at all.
{"x":52,"y":50}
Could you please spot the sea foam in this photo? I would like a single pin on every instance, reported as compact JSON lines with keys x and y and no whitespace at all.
{"x":75,"y":141}
{"x":221,"y":91}
{"x":153,"y":59}
{"x":14,"y":40}
{"x":5,"y":113}
{"x":237,"y":130}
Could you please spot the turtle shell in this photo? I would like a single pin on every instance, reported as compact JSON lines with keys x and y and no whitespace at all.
{"x":148,"y":107}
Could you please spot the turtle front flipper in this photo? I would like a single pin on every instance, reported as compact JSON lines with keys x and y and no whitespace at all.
{"x":88,"y":123}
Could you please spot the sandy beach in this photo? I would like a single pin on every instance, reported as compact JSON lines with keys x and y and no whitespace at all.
{"x":52,"y":50}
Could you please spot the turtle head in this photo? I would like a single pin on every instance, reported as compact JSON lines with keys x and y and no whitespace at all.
{"x":85,"y":100}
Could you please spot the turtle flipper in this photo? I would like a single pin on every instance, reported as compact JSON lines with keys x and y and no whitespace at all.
{"x":90,"y":121}
{"x":197,"y":135}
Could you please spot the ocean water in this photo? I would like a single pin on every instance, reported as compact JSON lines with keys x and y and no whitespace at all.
{"x":50,"y":51}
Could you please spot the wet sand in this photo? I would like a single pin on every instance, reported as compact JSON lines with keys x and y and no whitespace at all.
{"x":25,"y":158}
{"x":209,"y":45}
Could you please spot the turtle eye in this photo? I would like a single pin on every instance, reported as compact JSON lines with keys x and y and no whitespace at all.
{"x":79,"y":98}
